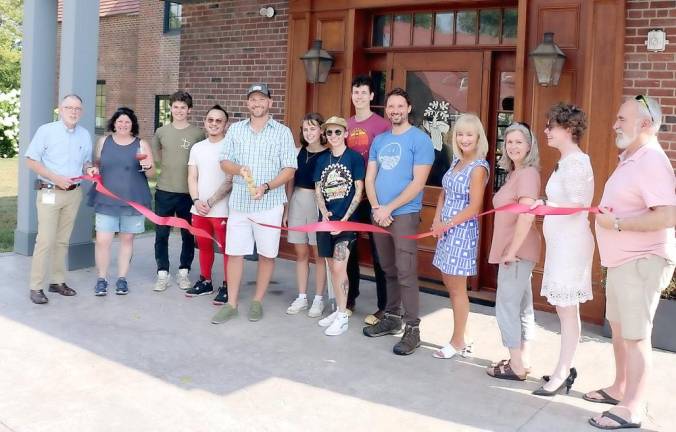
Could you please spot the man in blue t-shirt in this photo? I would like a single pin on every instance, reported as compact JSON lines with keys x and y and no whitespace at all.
{"x":399,"y":162}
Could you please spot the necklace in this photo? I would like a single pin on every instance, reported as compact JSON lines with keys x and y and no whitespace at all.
{"x":308,"y":157}
{"x":338,"y":161}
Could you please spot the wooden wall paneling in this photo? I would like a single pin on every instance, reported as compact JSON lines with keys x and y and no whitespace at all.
{"x":521,"y":60}
{"x":325,"y":5}
{"x":296,"y":83}
{"x":602,"y":86}
{"x":330,"y":98}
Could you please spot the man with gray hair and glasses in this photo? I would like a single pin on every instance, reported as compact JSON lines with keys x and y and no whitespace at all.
{"x":635,"y":234}
{"x":59,"y":151}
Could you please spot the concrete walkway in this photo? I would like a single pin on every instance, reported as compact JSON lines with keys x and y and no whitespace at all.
{"x":153,"y":362}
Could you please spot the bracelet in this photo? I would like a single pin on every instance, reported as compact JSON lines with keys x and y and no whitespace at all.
{"x":208,"y":203}
{"x":194,"y":200}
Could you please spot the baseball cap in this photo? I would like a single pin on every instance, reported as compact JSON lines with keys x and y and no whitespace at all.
{"x":258,"y":88}
{"x":335,"y":120}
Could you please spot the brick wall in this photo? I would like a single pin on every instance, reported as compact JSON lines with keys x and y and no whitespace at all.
{"x":118,"y":53}
{"x":157,"y":64}
{"x":227,"y":45}
{"x":653,"y":73}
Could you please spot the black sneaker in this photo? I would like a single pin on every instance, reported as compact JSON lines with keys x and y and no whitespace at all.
{"x":121,"y":287}
{"x":390,"y":324}
{"x":201,"y":287}
{"x":410,"y":340}
{"x":222,"y":296}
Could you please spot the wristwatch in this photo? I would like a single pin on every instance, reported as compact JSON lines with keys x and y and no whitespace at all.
{"x":195,"y":200}
{"x":616,"y":225}
{"x":267,"y":188}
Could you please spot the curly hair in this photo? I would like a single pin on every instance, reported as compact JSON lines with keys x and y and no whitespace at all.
{"x":569,"y":117}
{"x":127,"y":112}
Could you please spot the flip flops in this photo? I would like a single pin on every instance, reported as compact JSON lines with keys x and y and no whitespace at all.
{"x":606,"y":398}
{"x":621,"y":423}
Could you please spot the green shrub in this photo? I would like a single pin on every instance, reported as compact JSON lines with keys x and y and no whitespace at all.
{"x":9,"y":124}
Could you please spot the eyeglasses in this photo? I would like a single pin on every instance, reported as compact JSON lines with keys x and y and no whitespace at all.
{"x":336,"y":132}
{"x":644,"y":101}
{"x":71,"y":108}
{"x":215,"y":120}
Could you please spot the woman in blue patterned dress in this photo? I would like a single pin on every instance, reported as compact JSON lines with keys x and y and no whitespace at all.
{"x":459,"y":201}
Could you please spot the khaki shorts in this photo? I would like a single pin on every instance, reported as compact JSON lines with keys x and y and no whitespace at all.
{"x":241,"y":233}
{"x":633,"y":292}
{"x":302,"y":211}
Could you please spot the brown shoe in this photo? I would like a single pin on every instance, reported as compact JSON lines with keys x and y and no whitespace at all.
{"x":38,"y":297}
{"x":62,"y":289}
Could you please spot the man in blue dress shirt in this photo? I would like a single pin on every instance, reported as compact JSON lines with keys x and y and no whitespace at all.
{"x":59,"y":151}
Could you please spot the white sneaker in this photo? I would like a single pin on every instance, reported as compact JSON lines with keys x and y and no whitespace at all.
{"x":299,"y":304}
{"x":338,"y":326}
{"x":327,"y":321}
{"x":317,"y":308}
{"x":162,"y":280}
{"x":182,"y":279}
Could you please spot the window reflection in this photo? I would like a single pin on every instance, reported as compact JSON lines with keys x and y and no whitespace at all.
{"x":438,"y":98}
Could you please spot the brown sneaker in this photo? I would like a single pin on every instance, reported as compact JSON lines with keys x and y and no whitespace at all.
{"x":62,"y":289}
{"x":410,"y":340}
{"x":38,"y":297}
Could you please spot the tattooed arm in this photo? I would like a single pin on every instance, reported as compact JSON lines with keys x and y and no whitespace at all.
{"x":320,"y":201}
{"x":358,"y":189}
{"x":222,"y":191}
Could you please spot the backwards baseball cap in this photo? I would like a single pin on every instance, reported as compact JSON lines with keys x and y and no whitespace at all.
{"x":258,"y":88}
{"x":335,"y":120}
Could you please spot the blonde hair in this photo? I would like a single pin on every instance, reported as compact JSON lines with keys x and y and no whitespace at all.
{"x":470,"y":121}
{"x":532,"y":159}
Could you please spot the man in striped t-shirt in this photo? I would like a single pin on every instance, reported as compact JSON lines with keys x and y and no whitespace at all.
{"x":261,"y":155}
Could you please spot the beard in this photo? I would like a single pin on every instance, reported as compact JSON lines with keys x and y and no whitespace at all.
{"x":622,"y":140}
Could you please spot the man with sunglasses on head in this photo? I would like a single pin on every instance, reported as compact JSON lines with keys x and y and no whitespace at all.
{"x":209,"y":189}
{"x":635,"y":234}
{"x":58,"y":152}
{"x":260,"y":154}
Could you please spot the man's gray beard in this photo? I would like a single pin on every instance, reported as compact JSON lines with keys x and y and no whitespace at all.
{"x":621,"y":142}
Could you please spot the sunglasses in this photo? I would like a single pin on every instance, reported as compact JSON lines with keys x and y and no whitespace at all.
{"x":644,"y":101}
{"x":336,"y":132}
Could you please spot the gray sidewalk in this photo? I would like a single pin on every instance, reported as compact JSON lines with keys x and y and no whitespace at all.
{"x":153,"y":362}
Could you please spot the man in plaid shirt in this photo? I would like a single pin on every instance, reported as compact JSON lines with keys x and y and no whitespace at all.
{"x":261,"y":155}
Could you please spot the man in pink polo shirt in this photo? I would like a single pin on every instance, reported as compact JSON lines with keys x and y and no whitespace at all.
{"x":635,"y":235}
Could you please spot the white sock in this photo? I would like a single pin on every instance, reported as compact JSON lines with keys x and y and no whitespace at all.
{"x":302,"y":296}
{"x":318,"y":297}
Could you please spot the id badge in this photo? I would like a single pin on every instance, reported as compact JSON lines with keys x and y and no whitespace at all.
{"x":48,"y":196}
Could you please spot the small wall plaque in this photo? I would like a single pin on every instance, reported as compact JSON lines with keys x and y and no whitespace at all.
{"x":657,"y":40}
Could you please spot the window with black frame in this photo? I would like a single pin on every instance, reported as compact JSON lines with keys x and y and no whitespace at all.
{"x":172,"y":17}
{"x":100,"y":122}
{"x":162,"y":110}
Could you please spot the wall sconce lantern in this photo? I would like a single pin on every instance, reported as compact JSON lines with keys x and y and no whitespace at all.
{"x":317,"y":63}
{"x":548,"y":59}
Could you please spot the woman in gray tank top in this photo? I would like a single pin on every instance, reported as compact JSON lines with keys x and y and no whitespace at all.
{"x":125,"y":162}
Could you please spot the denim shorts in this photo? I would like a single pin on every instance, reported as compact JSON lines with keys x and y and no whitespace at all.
{"x":122,"y":224}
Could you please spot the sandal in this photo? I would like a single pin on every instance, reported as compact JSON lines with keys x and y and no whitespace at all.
{"x":504,"y":362}
{"x":504,"y":371}
{"x":621,"y":423}
{"x":374,"y":318}
{"x":448,"y":351}
{"x":606,"y":398}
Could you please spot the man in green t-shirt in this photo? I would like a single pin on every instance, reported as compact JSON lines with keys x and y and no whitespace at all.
{"x":171,"y":148}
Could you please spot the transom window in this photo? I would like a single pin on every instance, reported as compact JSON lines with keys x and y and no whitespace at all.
{"x":494,"y":26}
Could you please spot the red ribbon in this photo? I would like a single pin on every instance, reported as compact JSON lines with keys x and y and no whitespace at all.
{"x":330,"y":226}
{"x":157,"y":220}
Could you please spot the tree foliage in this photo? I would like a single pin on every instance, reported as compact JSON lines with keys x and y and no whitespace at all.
{"x":11,"y":17}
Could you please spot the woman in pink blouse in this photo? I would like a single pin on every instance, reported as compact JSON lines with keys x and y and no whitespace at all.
{"x":516,"y":248}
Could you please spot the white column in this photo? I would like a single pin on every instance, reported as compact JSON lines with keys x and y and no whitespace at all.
{"x":38,"y":85}
{"x":77,"y":74}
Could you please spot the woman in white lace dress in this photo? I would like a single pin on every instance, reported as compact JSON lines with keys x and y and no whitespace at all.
{"x":570,"y":244}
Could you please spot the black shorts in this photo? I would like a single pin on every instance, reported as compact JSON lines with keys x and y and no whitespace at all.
{"x":327,"y":242}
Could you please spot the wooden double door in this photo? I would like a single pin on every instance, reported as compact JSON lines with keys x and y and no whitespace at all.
{"x":442,"y":86}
